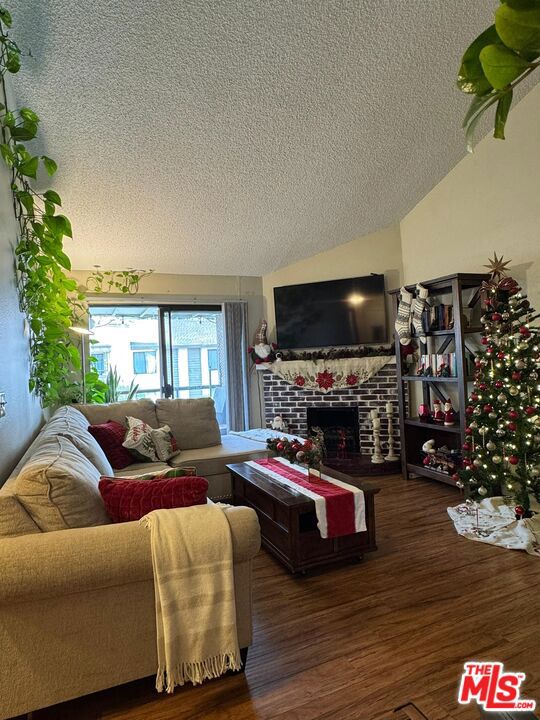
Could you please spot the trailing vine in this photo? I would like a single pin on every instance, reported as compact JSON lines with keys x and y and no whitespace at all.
{"x":47,"y":296}
{"x":51,"y":300}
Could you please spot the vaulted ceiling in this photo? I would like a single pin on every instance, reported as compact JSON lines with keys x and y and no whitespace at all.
{"x":235,"y":137}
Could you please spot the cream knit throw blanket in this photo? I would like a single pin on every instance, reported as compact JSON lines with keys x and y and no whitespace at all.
{"x":194,"y":588}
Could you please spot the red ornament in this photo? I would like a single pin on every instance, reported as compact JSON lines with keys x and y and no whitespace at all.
{"x":280,"y":447}
{"x":469,"y":410}
{"x":499,"y":384}
{"x":482,"y":386}
{"x":513,"y":460}
{"x":500,"y":355}
{"x":455,"y":477}
{"x":524,"y":331}
{"x":488,"y":408}
{"x":513,"y":414}
{"x":484,"y":340}
{"x":519,"y":510}
{"x":466,"y":447}
{"x":496,"y":317}
{"x":478,"y":362}
{"x":529,"y":410}
{"x":512,"y":426}
{"x":468,"y":431}
{"x":516,"y":376}
{"x":308,"y":445}
{"x":426,"y":460}
{"x":489,"y":351}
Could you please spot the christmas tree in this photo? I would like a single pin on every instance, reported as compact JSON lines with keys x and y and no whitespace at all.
{"x":502,"y":443}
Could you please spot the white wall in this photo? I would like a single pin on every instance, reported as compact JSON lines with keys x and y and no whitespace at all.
{"x":489,"y":202}
{"x":23,"y":417}
{"x":379,"y":252}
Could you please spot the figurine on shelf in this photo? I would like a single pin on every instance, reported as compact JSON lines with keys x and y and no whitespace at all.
{"x":438,"y":414}
{"x":420,"y":370}
{"x":424,"y":413}
{"x":443,"y":371}
{"x":429,"y":447}
{"x":449,"y":413}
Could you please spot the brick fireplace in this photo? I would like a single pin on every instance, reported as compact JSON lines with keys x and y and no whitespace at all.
{"x":292,"y":403}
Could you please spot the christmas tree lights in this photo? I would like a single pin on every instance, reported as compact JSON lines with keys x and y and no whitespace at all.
{"x":502,"y":437}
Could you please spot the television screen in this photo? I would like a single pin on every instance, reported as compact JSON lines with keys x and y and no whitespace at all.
{"x":336,"y":312}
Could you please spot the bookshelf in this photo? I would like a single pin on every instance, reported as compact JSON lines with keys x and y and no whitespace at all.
{"x":463,"y":292}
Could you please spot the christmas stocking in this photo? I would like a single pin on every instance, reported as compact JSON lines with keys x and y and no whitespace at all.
{"x":417,"y":310}
{"x":403,"y":320}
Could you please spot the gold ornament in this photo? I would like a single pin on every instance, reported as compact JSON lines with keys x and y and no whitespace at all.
{"x":497,"y":267}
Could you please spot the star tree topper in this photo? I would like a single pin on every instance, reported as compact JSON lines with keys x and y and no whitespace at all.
{"x":497,"y":267}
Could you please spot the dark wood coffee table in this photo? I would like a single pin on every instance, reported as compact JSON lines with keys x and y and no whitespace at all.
{"x":289,"y":524}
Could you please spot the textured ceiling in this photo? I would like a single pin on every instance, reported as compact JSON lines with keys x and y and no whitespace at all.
{"x":220,"y":137}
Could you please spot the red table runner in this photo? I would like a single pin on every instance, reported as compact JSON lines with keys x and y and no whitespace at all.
{"x":340,"y":507}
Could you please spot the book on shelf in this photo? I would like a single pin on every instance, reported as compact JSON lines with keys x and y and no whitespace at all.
{"x":438,"y":317}
{"x":437,"y":365}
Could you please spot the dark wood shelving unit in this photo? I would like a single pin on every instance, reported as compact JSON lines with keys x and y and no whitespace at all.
{"x":414,"y":432}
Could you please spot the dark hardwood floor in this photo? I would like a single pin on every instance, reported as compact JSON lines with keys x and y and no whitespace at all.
{"x":358,"y":641}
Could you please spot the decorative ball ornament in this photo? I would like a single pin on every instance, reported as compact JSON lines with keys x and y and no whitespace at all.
{"x":513,"y":460}
{"x":506,"y":316}
{"x":512,"y":426}
{"x":466,"y":447}
{"x":483,"y":430}
{"x":500,"y":355}
{"x":501,"y":398}
{"x":513,"y":414}
{"x":477,"y":410}
{"x":469,"y":410}
{"x":482,"y":387}
{"x":488,"y":408}
{"x":482,"y":490}
{"x":513,"y":391}
{"x":477,"y":462}
{"x":493,"y":416}
{"x":500,"y":432}
{"x":280,"y":446}
{"x":516,"y":376}
{"x":529,"y":410}
{"x":474,"y":397}
{"x":523,"y":346}
{"x":524,"y":331}
{"x":491,"y":445}
{"x":496,"y":317}
{"x":474,"y":424}
{"x":300,"y":455}
{"x":519,"y":510}
{"x":484,"y":340}
{"x":497,"y":459}
{"x":499,"y":384}
{"x":520,"y":364}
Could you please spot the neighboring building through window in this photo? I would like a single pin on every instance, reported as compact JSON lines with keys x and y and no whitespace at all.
{"x":144,"y":361}
{"x":101,"y":360}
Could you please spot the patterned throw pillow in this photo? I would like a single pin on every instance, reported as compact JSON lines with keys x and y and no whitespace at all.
{"x":110,"y":436}
{"x":127,"y":500}
{"x":147,"y":443}
{"x":164,"y":442}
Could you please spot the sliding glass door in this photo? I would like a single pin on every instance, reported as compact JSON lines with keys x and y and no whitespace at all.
{"x":193,"y":359}
{"x":161,"y":351}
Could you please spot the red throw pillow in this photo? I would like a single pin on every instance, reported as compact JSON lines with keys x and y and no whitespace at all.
{"x":110,"y":436}
{"x":127,"y":500}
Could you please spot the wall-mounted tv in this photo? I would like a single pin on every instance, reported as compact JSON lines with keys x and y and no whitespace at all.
{"x":337,"y":312}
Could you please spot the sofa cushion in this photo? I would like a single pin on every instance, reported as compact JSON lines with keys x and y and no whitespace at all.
{"x":192,"y":421}
{"x":14,"y":520}
{"x":141,"y":469}
{"x":58,"y":487}
{"x":143,"y":409}
{"x":127,"y":500}
{"x":110,"y":436}
{"x":212,"y":460}
{"x":72,"y":424}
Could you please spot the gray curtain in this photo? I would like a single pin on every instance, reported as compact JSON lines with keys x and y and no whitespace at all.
{"x":235,"y":322}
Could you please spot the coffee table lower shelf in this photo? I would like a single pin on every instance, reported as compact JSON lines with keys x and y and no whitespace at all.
{"x":289,"y":524}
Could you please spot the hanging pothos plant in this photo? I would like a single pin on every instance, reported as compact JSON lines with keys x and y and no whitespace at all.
{"x":48,"y":297}
{"x":498,"y":60}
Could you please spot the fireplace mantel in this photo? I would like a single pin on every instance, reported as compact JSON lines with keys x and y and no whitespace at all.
{"x":327,"y":375}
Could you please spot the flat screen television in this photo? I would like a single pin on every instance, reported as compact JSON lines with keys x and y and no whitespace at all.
{"x":332,"y":313}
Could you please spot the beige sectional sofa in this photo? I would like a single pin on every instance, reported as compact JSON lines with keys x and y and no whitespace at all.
{"x":77,"y":608}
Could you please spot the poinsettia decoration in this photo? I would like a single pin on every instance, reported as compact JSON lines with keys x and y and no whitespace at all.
{"x":309,"y":453}
{"x":325,"y":380}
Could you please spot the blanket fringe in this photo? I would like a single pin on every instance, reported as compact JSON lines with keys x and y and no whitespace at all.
{"x":197,"y":672}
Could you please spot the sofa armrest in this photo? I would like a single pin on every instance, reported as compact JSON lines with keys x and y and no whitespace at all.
{"x":72,"y":561}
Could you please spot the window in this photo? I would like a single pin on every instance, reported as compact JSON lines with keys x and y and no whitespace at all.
{"x":144,"y":362}
{"x":213,"y":359}
{"x":101,"y":360}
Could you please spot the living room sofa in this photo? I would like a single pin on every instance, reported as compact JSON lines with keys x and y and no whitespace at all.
{"x":77,"y":611}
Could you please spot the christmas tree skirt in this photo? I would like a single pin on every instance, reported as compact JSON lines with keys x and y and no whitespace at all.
{"x":493,"y":521}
